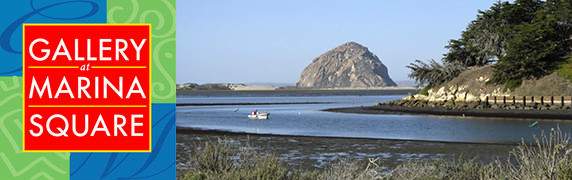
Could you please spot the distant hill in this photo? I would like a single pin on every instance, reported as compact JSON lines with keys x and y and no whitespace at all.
{"x":209,"y":86}
{"x":350,"y":65}
{"x":226,"y":86}
{"x":406,"y":83}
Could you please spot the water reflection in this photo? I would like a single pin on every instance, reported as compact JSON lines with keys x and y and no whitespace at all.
{"x":308,"y":120}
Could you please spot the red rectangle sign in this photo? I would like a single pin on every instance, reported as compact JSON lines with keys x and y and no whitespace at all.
{"x":86,"y":88}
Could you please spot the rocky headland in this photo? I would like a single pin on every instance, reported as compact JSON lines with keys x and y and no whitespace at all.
{"x":350,"y":65}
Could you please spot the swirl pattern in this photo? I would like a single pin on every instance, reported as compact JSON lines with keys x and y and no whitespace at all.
{"x":160,"y":163}
{"x":161,"y":15}
{"x":40,"y":11}
{"x":13,"y":163}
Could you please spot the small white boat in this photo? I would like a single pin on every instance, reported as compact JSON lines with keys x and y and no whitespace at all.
{"x":258,"y":115}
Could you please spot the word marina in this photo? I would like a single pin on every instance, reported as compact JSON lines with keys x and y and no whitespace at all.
{"x":84,"y":87}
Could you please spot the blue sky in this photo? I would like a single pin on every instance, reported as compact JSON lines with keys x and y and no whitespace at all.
{"x":272,"y":41}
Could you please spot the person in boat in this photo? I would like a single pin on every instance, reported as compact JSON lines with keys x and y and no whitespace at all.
{"x":254,"y":112}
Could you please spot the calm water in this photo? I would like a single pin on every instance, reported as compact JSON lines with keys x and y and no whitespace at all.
{"x":308,"y":120}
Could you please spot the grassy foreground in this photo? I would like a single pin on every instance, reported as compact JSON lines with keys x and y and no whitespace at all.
{"x":549,"y":157}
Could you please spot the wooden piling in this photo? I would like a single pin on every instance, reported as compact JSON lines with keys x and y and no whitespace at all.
{"x":532,"y":99}
{"x":513,"y":100}
{"x":551,"y":100}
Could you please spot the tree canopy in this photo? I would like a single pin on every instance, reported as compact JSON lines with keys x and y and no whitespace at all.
{"x":523,"y":39}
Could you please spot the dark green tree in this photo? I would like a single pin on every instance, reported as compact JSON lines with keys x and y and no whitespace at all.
{"x":434,"y":73}
{"x":484,"y":40}
{"x":526,"y":38}
{"x":537,"y":48}
{"x":466,"y":54}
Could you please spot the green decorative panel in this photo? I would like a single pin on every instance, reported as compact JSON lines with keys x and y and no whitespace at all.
{"x":14,"y":164}
{"x":161,"y":15}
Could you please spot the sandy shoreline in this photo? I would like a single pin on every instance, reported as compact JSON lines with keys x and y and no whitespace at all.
{"x":499,"y":113}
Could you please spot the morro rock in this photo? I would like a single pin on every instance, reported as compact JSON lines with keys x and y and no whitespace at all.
{"x":349,"y":65}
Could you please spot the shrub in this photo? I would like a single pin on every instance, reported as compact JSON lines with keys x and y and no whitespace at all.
{"x":425,"y":91}
{"x":221,"y":160}
{"x":344,"y":169}
{"x":548,"y":157}
{"x":513,"y":84}
{"x":565,"y":69}
{"x":213,"y":158}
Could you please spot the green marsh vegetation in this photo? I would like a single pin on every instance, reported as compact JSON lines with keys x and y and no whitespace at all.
{"x":548,"y":157}
{"x":565,"y":69}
